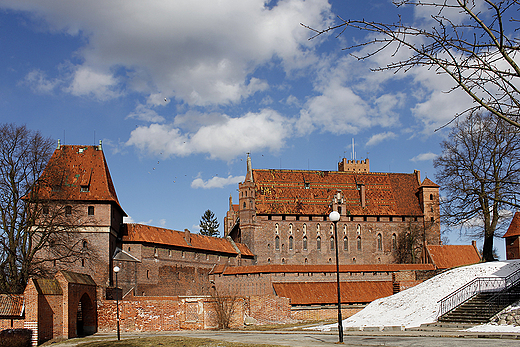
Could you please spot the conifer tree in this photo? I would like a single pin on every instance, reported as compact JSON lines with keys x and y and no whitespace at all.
{"x":209,"y":224}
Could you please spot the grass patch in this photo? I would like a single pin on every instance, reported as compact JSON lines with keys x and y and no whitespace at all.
{"x":169,"y":341}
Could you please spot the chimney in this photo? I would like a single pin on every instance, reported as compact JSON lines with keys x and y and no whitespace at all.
{"x":363,"y":197}
{"x":187,"y":236}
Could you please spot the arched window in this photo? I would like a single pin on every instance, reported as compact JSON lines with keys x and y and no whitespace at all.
{"x":318,"y":228}
{"x":283,"y":260}
{"x":331,"y":228}
{"x":318,"y":243}
{"x":332,"y":243}
{"x":359,"y":243}
{"x":345,"y":244}
{"x":344,"y":229}
{"x":358,"y":229}
{"x":277,"y":243}
{"x":304,"y":229}
{"x":394,"y":242}
{"x":431,"y":196}
{"x":379,"y":242}
{"x":290,"y":243}
{"x":268,"y":260}
{"x":305,"y":243}
{"x":306,"y":261}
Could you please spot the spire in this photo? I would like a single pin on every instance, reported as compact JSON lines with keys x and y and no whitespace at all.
{"x":249,"y":175}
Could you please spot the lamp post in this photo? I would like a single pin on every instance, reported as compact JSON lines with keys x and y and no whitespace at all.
{"x":116,"y":270}
{"x":334,"y":217}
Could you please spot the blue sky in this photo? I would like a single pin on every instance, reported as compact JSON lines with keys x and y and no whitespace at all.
{"x":180,"y":91}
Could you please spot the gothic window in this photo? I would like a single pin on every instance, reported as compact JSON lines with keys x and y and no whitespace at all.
{"x":91,"y":210}
{"x":306,"y":261}
{"x":431,"y":196}
{"x":394,"y":242}
{"x":305,"y":243}
{"x":276,"y":229}
{"x":283,"y":260}
{"x":332,"y":243}
{"x":344,"y":229}
{"x":359,"y":243}
{"x":331,"y":228}
{"x":304,"y":229}
{"x":379,"y":242}
{"x":277,"y":243}
{"x":358,"y":229}
{"x":318,"y":243}
{"x":290,"y":228}
{"x":290,"y":243}
{"x":318,"y":228}
{"x":345,"y":244}
{"x":268,"y":260}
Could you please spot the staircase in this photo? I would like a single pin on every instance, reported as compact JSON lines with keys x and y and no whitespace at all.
{"x":478,"y":301}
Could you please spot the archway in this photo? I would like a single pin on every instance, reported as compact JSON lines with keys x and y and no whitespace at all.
{"x":86,"y":317}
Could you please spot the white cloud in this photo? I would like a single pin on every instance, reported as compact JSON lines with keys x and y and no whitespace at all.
{"x":216,"y":182}
{"x":202,"y":52}
{"x":38,"y":81}
{"x":378,"y":138}
{"x":225,"y":139}
{"x":145,"y":113}
{"x":424,"y":157}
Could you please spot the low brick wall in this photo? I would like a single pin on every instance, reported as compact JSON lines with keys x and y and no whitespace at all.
{"x":315,"y":313}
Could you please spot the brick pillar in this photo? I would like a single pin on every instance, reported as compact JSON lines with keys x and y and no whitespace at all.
{"x":33,"y":326}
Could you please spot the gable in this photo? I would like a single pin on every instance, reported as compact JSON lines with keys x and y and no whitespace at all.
{"x":514,"y":227}
{"x":449,"y":256}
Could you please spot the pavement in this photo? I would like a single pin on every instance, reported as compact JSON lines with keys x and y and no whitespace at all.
{"x":427,"y":336}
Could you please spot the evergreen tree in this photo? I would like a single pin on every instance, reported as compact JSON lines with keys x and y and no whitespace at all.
{"x":209,"y":224}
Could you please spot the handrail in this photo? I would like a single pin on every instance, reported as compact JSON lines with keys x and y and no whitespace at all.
{"x":474,"y":287}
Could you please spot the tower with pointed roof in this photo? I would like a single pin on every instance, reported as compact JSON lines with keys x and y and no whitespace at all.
{"x":82,"y":183}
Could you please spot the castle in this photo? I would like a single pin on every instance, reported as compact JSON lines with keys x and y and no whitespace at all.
{"x":278,"y":239}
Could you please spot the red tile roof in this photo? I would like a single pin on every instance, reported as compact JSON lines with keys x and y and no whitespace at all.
{"x":322,"y":293}
{"x":514,"y":228}
{"x":254,"y":269}
{"x":449,"y":256}
{"x":72,"y":167}
{"x":156,"y":235}
{"x":428,"y":183}
{"x":310,"y":192}
{"x":11,"y":305}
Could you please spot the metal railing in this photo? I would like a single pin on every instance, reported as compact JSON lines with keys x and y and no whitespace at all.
{"x":477,"y":286}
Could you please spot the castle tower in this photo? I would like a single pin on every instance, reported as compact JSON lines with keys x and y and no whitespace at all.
{"x":362,"y":166}
{"x":429,"y":201}
{"x":247,"y":208}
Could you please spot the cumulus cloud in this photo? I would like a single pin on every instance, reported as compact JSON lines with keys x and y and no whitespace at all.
{"x":378,"y":138}
{"x":225,"y":139}
{"x":146,"y":113}
{"x":216,"y":182}
{"x":201,"y":52}
{"x":38,"y":81}
{"x":424,"y":157}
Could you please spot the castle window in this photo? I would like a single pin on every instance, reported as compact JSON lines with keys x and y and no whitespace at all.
{"x":331,"y":228}
{"x":148,"y":274}
{"x":391,"y":219}
{"x":415,"y":219}
{"x":276,"y":229}
{"x":359,"y":243}
{"x":269,"y":217}
{"x":244,"y":204}
{"x":84,"y":189}
{"x":268,"y":260}
{"x":91,"y":210}
{"x":283,"y":217}
{"x":45,"y":210}
{"x":170,"y":253}
{"x":318,"y":228}
{"x":306,"y":261}
{"x":290,"y":228}
{"x":283,"y":260}
{"x":431,"y":196}
{"x":358,"y":229}
{"x":85,"y":243}
{"x":345,"y":244}
{"x":155,"y":252}
{"x":394,"y":242}
{"x":379,"y":242}
{"x":339,"y":209}
{"x":354,"y":260}
{"x":364,"y":218}
{"x":307,"y":185}
{"x":378,"y":218}
{"x":277,"y":243}
{"x":82,"y":262}
{"x":68,"y":210}
{"x":183,"y":254}
{"x":318,"y":243}
{"x":297,"y":217}
{"x":310,"y":218}
{"x":305,"y":243}
{"x":290,"y":243}
{"x":332,"y":243}
{"x":431,"y":219}
{"x":304,"y":229}
{"x":403,"y":219}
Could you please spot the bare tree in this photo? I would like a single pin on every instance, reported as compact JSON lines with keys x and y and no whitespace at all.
{"x":480,"y":171}
{"x":33,"y":227}
{"x":410,"y":244}
{"x":475,"y":42}
{"x":225,"y":305}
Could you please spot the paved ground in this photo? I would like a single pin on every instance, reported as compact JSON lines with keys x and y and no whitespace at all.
{"x":432,"y":338}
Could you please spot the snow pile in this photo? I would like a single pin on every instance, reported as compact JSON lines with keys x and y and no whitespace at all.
{"x":494,"y":328}
{"x":419,"y":305}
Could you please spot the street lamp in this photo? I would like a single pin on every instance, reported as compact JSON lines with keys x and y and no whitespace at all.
{"x":116,"y":270}
{"x":334,"y":217}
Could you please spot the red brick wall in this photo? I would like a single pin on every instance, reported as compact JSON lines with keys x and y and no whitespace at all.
{"x":323,"y":313}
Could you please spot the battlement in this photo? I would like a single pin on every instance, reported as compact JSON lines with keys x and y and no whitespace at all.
{"x":354,"y":165}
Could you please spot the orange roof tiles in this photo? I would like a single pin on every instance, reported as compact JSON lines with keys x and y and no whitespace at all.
{"x":11,"y":305}
{"x":254,"y":269}
{"x":514,"y":227}
{"x":449,"y":256}
{"x":322,"y":293}
{"x":310,"y":192}
{"x":156,"y":235}
{"x":74,"y":167}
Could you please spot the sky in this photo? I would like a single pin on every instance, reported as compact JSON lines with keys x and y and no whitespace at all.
{"x":180,"y":91}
